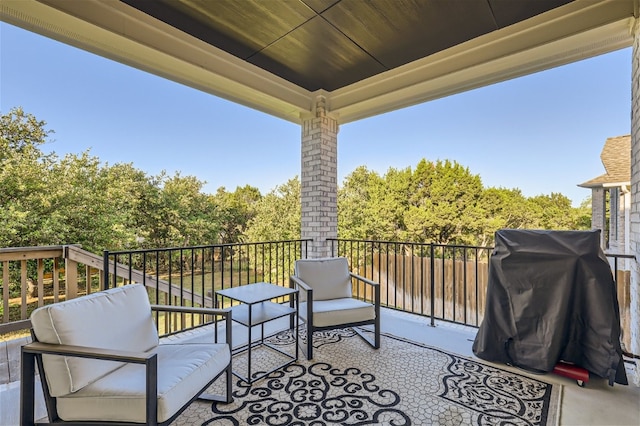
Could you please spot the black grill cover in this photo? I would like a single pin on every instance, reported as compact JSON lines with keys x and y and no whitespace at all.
{"x":551,"y":297}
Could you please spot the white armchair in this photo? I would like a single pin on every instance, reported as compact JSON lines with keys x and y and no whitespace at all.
{"x":327,"y":302}
{"x":100,"y":361}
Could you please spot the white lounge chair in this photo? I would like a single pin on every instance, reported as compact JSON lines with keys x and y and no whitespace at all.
{"x":100,"y":360}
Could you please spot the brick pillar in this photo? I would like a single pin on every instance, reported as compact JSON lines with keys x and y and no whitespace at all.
{"x":635,"y":195}
{"x":319,"y":179}
{"x":598,"y":213}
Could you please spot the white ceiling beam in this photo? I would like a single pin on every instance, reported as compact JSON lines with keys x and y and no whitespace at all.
{"x":576,"y":31}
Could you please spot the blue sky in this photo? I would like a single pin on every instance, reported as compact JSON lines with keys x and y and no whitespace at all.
{"x":541,"y":133}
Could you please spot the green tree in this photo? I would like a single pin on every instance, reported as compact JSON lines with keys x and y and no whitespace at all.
{"x":127,"y":191}
{"x":23,"y":176}
{"x":443,"y":204}
{"x":552,"y":211}
{"x":73,"y":211}
{"x":357,"y":204}
{"x":583,"y":214}
{"x":179,"y":214}
{"x":503,"y":208}
{"x":235,"y":211}
{"x":389,"y":203}
{"x":277,"y":214}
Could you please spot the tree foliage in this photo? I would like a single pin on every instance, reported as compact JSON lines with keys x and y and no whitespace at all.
{"x":443,"y":202}
{"x":277,"y":214}
{"x":235,"y":211}
{"x":22,"y":168}
{"x":77,"y":199}
{"x":356,"y":199}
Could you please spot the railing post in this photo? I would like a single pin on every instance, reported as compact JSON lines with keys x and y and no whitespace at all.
{"x":71,"y":277}
{"x":105,"y":269}
{"x":23,"y":289}
{"x":433,"y":288}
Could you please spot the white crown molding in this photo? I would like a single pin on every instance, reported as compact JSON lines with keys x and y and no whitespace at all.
{"x":577,"y":31}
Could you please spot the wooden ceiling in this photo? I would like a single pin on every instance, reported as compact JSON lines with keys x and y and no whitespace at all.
{"x":330,"y":44}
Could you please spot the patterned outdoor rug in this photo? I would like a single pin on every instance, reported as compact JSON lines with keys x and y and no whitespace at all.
{"x":402,"y":383}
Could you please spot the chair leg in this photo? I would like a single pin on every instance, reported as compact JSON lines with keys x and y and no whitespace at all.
{"x":229,"y":378}
{"x":309,"y":341}
{"x":27,"y":390}
{"x":373,"y":342}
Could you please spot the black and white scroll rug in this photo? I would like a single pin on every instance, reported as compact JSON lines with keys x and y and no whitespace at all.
{"x":402,"y":383}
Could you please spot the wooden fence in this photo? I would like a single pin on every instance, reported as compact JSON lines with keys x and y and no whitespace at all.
{"x":31,"y":277}
{"x":35,"y":276}
{"x":460,"y":287}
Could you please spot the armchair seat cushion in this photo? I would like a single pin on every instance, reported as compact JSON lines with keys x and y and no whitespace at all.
{"x":333,"y":312}
{"x":183,"y":370}
{"x":329,"y":277}
{"x":120,"y":320}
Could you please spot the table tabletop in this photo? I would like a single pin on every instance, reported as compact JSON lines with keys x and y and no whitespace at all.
{"x":256,"y":293}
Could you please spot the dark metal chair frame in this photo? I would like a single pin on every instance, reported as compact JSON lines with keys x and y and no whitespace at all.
{"x":32,"y":354}
{"x":296,"y":282}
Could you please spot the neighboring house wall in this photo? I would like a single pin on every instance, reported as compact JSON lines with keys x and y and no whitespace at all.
{"x":613,"y":239}
{"x":635,"y":190}
{"x":613,"y":213}
{"x":620,"y":204}
{"x":610,"y":204}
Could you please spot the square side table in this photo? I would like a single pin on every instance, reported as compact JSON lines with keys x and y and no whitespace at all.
{"x":257,"y":308}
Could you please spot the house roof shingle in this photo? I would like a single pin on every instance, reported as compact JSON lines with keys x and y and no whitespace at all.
{"x":616,"y":159}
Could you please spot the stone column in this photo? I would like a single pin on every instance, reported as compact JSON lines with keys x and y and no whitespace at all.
{"x":319,"y":179}
{"x":598,"y":218}
{"x":635,"y":195}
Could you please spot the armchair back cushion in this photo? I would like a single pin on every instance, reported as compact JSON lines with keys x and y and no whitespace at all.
{"x":328,"y":277}
{"x":96,"y":320}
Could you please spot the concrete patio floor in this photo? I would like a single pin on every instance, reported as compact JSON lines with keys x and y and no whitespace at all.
{"x":595,"y":404}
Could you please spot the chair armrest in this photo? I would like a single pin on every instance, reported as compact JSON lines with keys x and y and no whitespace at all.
{"x":295,"y":281}
{"x":363,"y":279}
{"x":376,"y":290}
{"x":88,"y":352}
{"x":192,"y":310}
{"x":226,"y":313}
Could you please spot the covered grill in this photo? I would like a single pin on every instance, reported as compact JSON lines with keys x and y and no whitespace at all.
{"x":551,"y":297}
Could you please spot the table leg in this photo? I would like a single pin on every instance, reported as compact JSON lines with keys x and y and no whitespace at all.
{"x":249,"y":345}
{"x":297,"y":319}
{"x":215,"y":321}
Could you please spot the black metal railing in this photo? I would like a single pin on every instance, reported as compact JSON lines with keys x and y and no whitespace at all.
{"x":189,"y":276}
{"x":409,"y":274}
{"x":621,"y":269}
{"x":444,"y":282}
{"x":455,"y":275}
